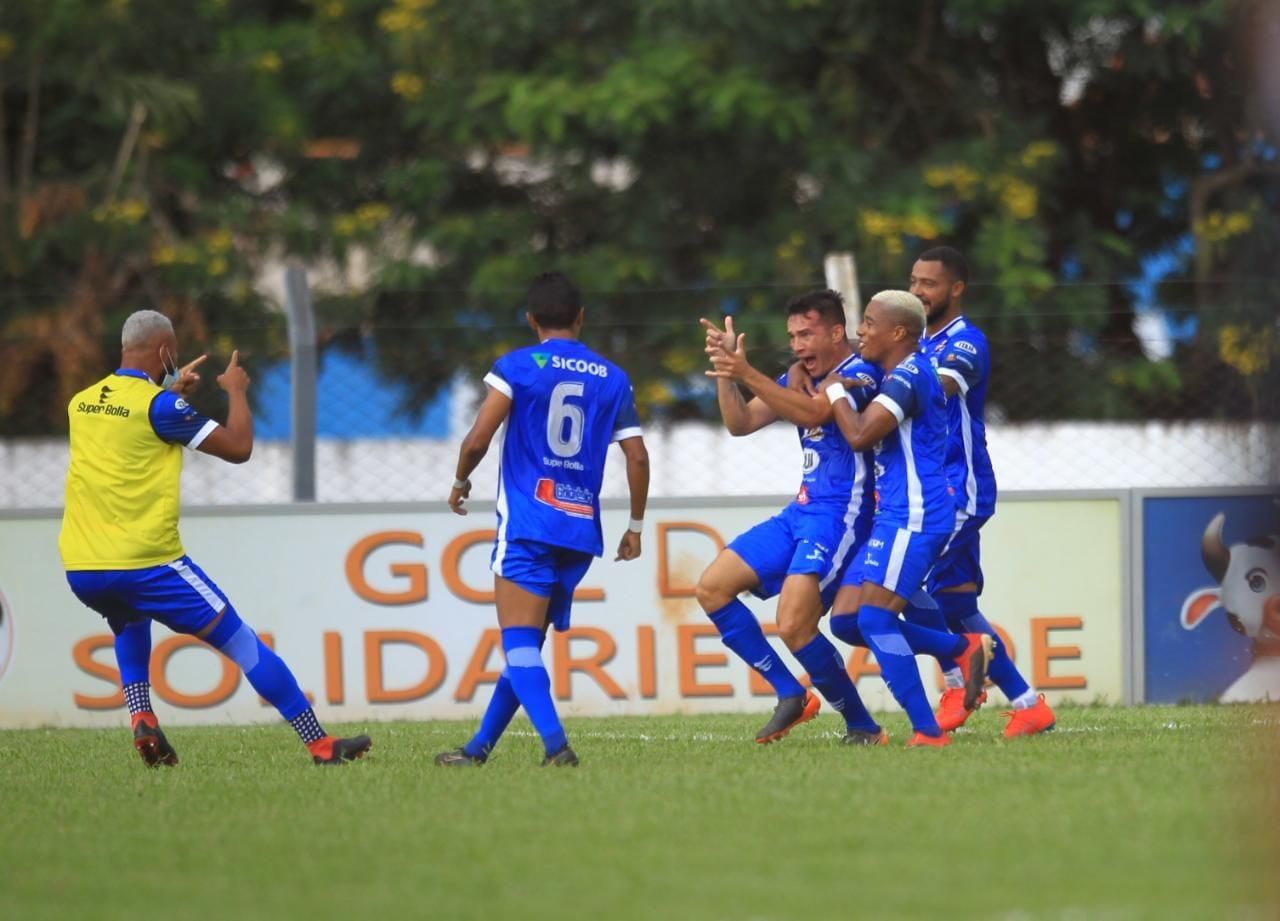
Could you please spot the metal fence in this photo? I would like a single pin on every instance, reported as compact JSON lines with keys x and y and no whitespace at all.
{"x":1080,"y":397}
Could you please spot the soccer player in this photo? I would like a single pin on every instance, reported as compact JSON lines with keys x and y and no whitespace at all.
{"x":906,"y":424}
{"x":562,"y":405}
{"x":119,"y":539}
{"x":959,"y":351}
{"x":799,"y":554}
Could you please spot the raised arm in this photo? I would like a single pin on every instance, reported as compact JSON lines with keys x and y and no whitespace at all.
{"x":862,"y":430}
{"x":795,"y":406}
{"x":232,"y":442}
{"x":740,"y":416}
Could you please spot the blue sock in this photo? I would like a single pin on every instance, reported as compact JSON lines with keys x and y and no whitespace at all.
{"x":883,"y":631}
{"x":497,"y":716}
{"x":133,"y":653}
{"x":532,"y":684}
{"x":927,"y":632}
{"x":828,"y":674}
{"x":845,"y":627}
{"x":961,"y":610}
{"x":265,"y":670}
{"x":741,"y":632}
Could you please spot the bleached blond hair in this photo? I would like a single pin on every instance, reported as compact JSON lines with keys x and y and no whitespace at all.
{"x":142,"y":326}
{"x":905,"y":309}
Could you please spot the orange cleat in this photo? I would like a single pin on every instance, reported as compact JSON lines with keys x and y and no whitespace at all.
{"x":787,"y":715}
{"x":974,"y":662}
{"x":951,"y":712}
{"x":1030,"y":721}
{"x":920,"y":740}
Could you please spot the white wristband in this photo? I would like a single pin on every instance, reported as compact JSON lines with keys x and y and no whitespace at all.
{"x":836,"y":392}
{"x":635,"y":525}
{"x":461,"y":484}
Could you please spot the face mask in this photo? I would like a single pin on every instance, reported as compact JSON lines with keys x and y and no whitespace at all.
{"x":170,"y":371}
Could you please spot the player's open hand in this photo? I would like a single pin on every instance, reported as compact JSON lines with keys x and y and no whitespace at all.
{"x":628,"y":547}
{"x":798,"y":379}
{"x":729,"y":361}
{"x":188,"y":379}
{"x":235,"y":377}
{"x":459,"y":495}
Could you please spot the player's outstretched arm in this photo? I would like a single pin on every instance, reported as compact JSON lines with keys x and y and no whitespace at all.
{"x":637,"y":456}
{"x":475,"y":445}
{"x":232,"y":442}
{"x":862,"y":430}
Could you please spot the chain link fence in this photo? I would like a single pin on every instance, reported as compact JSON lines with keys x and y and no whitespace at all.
{"x":1083,"y":395}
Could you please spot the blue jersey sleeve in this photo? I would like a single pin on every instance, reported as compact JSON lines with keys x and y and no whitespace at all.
{"x":501,"y":376}
{"x":867,"y":376}
{"x":964,"y":360}
{"x":626,"y":423}
{"x":175,"y":420}
{"x":898,"y":393}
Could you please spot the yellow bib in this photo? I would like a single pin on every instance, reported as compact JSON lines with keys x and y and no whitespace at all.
{"x":121,"y":508}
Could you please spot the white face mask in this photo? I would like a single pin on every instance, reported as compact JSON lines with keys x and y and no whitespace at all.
{"x":170,"y":370}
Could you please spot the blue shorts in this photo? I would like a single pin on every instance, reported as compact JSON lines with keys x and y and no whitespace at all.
{"x":178,"y":595}
{"x":543,"y":569}
{"x":959,"y":562}
{"x":800,"y":541}
{"x":897,"y":559}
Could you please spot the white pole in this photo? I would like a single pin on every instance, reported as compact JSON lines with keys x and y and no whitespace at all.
{"x":842,"y":275}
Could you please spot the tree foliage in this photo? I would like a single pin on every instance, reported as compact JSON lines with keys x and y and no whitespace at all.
{"x":677,"y":157}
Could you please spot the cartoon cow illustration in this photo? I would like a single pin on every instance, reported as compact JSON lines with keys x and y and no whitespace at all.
{"x":1248,"y":591}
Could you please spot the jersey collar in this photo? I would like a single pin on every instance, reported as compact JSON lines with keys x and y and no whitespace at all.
{"x":947,"y":331}
{"x":133,"y":372}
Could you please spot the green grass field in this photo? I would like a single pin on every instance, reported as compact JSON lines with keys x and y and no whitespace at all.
{"x":1157,"y":812}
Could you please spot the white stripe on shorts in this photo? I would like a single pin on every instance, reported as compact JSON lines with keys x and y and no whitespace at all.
{"x":897,"y":553}
{"x":199,"y":585}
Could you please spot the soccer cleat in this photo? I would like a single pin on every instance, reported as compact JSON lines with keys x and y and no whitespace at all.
{"x":459,"y":758}
{"x":150,"y":742}
{"x":865,"y":737}
{"x":330,"y":750}
{"x":565,"y":757}
{"x":920,"y":740}
{"x":951,"y":712}
{"x":787,"y":715}
{"x":1029,"y":721}
{"x":974,"y":662}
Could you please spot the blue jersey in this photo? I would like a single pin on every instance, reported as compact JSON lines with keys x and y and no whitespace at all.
{"x":959,"y":351}
{"x":834,"y":474}
{"x":911,"y":479}
{"x":567,"y":406}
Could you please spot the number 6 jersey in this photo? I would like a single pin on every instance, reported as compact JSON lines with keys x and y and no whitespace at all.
{"x":567,"y":406}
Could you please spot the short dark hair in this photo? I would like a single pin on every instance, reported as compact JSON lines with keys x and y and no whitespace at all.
{"x":553,"y":300}
{"x":824,"y":302}
{"x":952,"y":260}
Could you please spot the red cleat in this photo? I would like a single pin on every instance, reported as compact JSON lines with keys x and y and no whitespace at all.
{"x":951,"y":712}
{"x":974,"y":662}
{"x":330,"y":750}
{"x":920,"y":740}
{"x":150,"y":743}
{"x":787,"y":715}
{"x":1030,"y":721}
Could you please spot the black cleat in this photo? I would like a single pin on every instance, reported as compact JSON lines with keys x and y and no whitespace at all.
{"x":864,"y":737}
{"x":787,"y":715}
{"x":151,"y":744}
{"x":459,"y":758}
{"x":339,"y":751}
{"x":565,"y":757}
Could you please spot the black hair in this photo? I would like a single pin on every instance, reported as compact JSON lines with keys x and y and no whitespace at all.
{"x":553,"y":300}
{"x":828,"y":304}
{"x":952,"y":260}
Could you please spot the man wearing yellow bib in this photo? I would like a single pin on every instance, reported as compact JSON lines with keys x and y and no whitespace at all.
{"x":119,"y":539}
